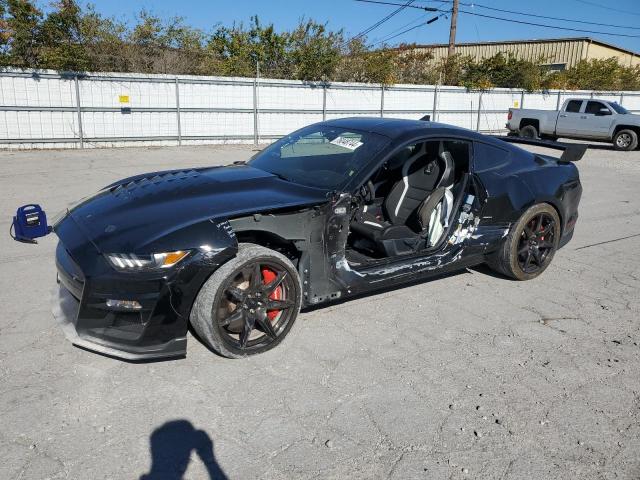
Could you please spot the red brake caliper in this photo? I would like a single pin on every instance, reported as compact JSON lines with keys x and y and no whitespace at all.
{"x":269,"y":276}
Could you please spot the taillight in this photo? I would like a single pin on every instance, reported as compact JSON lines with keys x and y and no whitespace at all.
{"x":509,"y":115}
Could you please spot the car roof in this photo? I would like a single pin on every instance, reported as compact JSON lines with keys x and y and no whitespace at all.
{"x":389,"y":127}
{"x":401,"y":129}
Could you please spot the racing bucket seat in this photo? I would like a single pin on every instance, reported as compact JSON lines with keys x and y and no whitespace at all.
{"x":420,"y":202}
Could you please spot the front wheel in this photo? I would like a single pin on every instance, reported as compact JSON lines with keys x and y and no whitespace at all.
{"x":625,"y":140}
{"x":249,"y":304}
{"x":530,"y":245}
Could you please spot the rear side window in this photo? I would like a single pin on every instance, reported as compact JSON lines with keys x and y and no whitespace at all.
{"x":487,"y":157}
{"x":574,"y":106}
{"x":594,"y":107}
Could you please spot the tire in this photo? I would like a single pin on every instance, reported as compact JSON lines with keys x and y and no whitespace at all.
{"x":529,"y":131}
{"x":522,"y":249}
{"x":239,"y":293}
{"x":625,"y":140}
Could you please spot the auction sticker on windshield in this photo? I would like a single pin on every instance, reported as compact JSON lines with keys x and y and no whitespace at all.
{"x":350,"y":143}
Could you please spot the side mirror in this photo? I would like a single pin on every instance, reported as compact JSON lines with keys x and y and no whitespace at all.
{"x":603,"y":111}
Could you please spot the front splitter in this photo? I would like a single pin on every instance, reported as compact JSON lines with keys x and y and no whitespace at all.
{"x":65,"y":310}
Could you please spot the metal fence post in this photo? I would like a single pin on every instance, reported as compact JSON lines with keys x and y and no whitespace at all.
{"x":479,"y":111}
{"x":79,"y":111}
{"x":324,"y":101}
{"x":255,"y":112}
{"x":382,"y":100}
{"x":522,"y":99}
{"x":558,"y":100}
{"x":178,"y":111}
{"x":434,"y":112}
{"x":621,"y":98}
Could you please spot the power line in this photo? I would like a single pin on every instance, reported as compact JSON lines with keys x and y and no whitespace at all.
{"x":527,"y":14}
{"x":404,"y":5}
{"x":398,"y":34}
{"x":548,"y":17}
{"x":420,"y":18}
{"x":428,"y":22}
{"x":607,"y":7}
{"x":522,"y":22}
{"x":382,"y":20}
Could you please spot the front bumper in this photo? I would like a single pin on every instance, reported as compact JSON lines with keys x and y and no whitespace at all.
{"x":157,"y":330}
{"x":65,"y":308}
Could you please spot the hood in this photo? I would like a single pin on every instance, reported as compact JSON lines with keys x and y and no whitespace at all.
{"x":129,"y":216}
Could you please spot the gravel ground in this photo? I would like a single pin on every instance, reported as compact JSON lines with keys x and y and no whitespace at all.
{"x":467,"y":376}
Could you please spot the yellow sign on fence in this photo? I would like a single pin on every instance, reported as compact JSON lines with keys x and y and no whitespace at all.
{"x":124,"y":98}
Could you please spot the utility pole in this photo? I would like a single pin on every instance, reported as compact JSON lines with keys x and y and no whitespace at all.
{"x":452,"y":29}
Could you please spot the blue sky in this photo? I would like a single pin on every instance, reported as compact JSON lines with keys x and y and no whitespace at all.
{"x":354,"y":17}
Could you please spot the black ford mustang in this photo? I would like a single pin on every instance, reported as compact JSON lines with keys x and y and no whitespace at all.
{"x":333,"y":210}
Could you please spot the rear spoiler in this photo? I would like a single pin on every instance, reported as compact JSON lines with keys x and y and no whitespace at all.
{"x":571,"y":152}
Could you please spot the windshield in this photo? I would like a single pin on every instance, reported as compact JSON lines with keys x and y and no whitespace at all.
{"x":618,"y":108}
{"x":320,"y":156}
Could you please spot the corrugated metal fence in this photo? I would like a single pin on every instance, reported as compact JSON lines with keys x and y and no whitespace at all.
{"x":45,"y":109}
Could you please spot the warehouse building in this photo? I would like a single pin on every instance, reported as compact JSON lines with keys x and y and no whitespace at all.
{"x":558,"y":53}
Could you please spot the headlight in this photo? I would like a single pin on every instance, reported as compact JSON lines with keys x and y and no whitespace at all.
{"x":129,"y":262}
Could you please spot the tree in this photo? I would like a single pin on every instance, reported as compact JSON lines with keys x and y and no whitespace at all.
{"x":236,"y":50}
{"x":415,"y":65}
{"x":21,"y":24}
{"x":314,"y":51}
{"x":506,"y":71}
{"x":63,"y":46}
{"x":104,"y":42}
{"x":360,"y":64}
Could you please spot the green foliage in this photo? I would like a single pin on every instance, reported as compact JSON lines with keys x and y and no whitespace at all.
{"x":503,"y":71}
{"x":61,"y":39}
{"x":21,"y":27}
{"x":157,"y":46}
{"x":359,"y":64}
{"x":314,"y":52}
{"x":414,"y":65}
{"x":235,"y":51}
{"x":595,"y":74}
{"x":70,"y":37}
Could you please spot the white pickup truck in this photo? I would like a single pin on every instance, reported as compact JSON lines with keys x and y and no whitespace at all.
{"x":583,"y":119}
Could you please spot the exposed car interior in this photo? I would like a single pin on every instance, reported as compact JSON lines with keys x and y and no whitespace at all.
{"x":408,"y":204}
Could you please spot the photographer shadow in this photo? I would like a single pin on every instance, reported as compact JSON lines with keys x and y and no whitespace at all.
{"x":171,"y":446}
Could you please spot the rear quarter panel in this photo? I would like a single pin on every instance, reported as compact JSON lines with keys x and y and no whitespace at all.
{"x":525,"y":180}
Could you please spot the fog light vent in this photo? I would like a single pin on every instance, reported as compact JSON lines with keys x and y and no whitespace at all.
{"x":124,"y":304}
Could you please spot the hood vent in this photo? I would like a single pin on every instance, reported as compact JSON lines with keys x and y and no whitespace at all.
{"x":158,"y":180}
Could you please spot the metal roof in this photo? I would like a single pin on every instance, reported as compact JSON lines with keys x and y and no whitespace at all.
{"x":535,"y":40}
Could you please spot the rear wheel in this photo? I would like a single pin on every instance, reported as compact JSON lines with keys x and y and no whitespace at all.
{"x":249,"y":304}
{"x":530,"y":245}
{"x":529,"y":131}
{"x":625,"y":140}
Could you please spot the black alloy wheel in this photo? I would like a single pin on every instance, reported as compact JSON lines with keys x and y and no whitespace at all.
{"x":537,"y":242}
{"x":530,"y":245}
{"x":249,"y":304}
{"x":256,"y":305}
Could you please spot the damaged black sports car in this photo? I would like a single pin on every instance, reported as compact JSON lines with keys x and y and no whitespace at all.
{"x":333,"y":210}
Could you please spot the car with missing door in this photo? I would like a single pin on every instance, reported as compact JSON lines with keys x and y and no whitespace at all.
{"x":579,"y":118}
{"x":334,"y":210}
